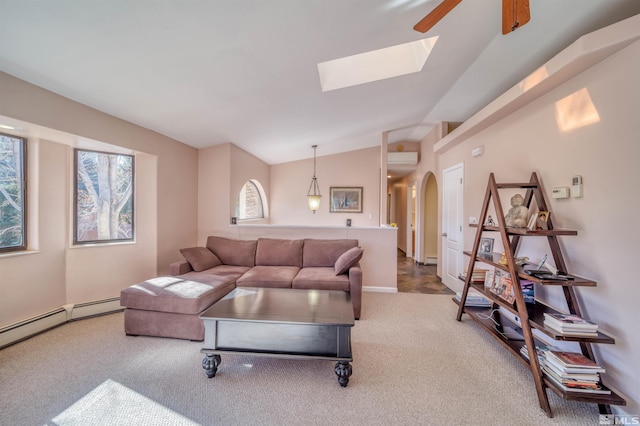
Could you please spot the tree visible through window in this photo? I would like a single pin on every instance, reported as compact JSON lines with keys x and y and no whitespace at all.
{"x":250,"y":205}
{"x":13,"y":191}
{"x":103,"y":197}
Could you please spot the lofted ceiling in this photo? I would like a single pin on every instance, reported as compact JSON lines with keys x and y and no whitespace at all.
{"x":207,"y":72}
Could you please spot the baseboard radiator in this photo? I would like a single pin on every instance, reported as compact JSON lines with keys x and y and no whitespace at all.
{"x":22,"y":330}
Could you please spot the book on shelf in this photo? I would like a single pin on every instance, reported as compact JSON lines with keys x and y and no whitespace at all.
{"x":594,"y":389}
{"x":571,"y":333}
{"x":572,"y":362}
{"x":502,"y":286}
{"x":478,"y":275}
{"x":474,"y":298}
{"x":572,"y":377}
{"x":540,"y":350}
{"x":573,"y":372}
{"x":528,"y":291}
{"x":590,"y":382}
{"x":570,"y":321}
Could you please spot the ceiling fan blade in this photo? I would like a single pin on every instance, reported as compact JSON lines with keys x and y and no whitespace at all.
{"x":436,"y":15}
{"x":515,"y":13}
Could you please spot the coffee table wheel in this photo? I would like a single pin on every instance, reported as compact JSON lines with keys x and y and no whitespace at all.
{"x":343,"y":371}
{"x":210,"y":364}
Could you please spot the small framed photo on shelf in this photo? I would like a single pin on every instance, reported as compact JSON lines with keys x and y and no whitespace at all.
{"x":541,"y":222}
{"x":488,"y":279}
{"x":486,"y":245}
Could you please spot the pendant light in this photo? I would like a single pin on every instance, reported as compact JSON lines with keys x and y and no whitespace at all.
{"x":313,"y":195}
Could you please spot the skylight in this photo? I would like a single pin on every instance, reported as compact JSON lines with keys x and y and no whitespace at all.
{"x":375,"y":65}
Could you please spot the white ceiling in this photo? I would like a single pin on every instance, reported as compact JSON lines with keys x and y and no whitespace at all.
{"x":207,"y":72}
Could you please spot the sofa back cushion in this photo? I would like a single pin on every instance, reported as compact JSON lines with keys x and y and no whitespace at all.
{"x":233,"y":252}
{"x":319,"y":253}
{"x":275,"y":252}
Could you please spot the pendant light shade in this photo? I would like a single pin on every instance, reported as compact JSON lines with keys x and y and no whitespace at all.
{"x":313,"y":195}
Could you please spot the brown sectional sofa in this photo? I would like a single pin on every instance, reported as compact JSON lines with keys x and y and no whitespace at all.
{"x":171,"y":306}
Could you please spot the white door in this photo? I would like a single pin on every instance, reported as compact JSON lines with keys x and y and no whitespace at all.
{"x":452,"y":237}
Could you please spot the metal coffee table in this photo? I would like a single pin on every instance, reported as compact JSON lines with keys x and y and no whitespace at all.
{"x":277,"y":322}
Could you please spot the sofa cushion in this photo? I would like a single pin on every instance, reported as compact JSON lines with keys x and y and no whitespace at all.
{"x":228,"y":272}
{"x":324,"y":253}
{"x":268,"y":276}
{"x":275,"y":252}
{"x":174,"y":294}
{"x":321,"y":278}
{"x":200,"y":258}
{"x":347,"y":260}
{"x":233,"y":252}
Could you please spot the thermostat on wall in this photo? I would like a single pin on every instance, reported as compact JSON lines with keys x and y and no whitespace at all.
{"x":560,"y":192}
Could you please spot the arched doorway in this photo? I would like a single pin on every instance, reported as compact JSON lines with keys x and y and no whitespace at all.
{"x":427,"y":238}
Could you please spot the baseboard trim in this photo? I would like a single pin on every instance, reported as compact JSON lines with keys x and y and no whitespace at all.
{"x":98,"y":307}
{"x":17,"y":332}
{"x":371,"y":289}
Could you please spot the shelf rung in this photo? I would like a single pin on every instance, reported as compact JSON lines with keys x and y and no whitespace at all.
{"x":516,"y":185}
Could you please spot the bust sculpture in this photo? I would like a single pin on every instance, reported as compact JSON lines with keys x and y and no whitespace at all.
{"x":518,"y":215}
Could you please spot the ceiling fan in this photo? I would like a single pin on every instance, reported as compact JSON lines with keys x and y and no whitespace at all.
{"x":515,"y":13}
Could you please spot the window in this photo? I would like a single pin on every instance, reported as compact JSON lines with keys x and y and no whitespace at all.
{"x":250,"y":204}
{"x":103,"y":197}
{"x":13,"y":193}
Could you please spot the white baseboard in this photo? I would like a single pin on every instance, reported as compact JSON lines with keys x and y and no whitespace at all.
{"x":99,"y":307}
{"x":431,"y":261}
{"x":22,"y":330}
{"x":371,"y":289}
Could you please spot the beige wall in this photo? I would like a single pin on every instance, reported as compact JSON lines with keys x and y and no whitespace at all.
{"x":290,"y":184}
{"x":214,"y":181}
{"x":244,"y":167}
{"x":605,"y":154}
{"x":54,"y":273}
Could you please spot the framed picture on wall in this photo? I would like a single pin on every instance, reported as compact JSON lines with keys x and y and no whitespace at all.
{"x":345,"y":199}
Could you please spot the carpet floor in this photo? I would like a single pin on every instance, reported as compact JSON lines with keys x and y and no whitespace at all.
{"x":414,"y":364}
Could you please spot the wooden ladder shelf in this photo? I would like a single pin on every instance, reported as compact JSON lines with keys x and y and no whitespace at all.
{"x":531,"y":315}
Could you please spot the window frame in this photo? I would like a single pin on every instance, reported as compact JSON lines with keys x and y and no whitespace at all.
{"x":24,"y":190}
{"x":261,"y":196}
{"x":76,"y":242}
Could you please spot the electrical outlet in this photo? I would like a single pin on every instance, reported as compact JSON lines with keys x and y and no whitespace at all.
{"x":473,"y":220}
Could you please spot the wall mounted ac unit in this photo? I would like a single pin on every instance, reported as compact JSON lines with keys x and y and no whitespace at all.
{"x":402,"y":158}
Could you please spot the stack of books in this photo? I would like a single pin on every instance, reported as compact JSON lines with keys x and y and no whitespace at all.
{"x":571,"y":325}
{"x":473,"y":299}
{"x":478,"y":275}
{"x":541,"y":350}
{"x":573,"y":372}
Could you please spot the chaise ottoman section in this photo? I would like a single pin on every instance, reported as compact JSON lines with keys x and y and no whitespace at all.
{"x":171,"y":306}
